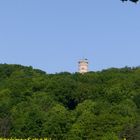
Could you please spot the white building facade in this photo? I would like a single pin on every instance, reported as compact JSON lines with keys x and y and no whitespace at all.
{"x":83,"y":66}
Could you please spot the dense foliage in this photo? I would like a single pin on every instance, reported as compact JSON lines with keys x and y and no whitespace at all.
{"x":131,"y":0}
{"x":95,"y":106}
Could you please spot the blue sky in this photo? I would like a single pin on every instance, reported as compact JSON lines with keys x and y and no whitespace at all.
{"x":53,"y":35}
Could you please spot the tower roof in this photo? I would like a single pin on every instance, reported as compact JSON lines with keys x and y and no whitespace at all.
{"x":83,"y":60}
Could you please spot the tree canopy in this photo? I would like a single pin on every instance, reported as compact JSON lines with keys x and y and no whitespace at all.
{"x":131,"y":0}
{"x":102,"y":105}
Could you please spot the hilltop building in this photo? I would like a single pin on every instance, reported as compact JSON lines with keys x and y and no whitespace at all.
{"x":83,"y":66}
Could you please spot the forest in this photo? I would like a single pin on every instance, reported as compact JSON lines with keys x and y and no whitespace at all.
{"x":101,"y":105}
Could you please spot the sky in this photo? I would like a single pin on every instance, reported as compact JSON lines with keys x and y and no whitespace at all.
{"x":53,"y":35}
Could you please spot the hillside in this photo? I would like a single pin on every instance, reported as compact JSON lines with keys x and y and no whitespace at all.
{"x":95,"y":106}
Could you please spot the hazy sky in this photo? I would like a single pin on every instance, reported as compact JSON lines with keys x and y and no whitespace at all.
{"x":53,"y":35}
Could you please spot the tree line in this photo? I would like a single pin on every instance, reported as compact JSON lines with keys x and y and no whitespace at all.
{"x":102,"y":105}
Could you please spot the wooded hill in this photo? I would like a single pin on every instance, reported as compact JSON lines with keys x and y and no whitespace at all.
{"x":95,"y":106}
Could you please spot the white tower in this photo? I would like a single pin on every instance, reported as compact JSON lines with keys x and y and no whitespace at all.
{"x":83,"y":66}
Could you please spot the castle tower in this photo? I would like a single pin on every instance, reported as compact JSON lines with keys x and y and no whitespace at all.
{"x":83,"y":66}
